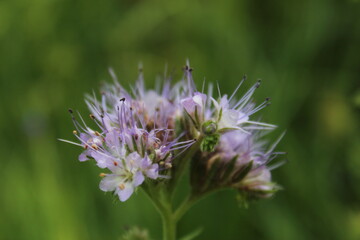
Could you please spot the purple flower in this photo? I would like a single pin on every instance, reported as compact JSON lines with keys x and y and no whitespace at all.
{"x":143,"y":133}
{"x":195,"y":102}
{"x":127,"y":174}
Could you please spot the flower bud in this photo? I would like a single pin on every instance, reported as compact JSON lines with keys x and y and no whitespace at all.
{"x":209,"y":127}
{"x":209,"y":143}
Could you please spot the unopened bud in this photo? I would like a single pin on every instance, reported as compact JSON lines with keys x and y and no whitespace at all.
{"x":209,"y":143}
{"x":209,"y":127}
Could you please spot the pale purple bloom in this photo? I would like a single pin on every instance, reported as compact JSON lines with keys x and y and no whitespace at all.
{"x":194,"y":103}
{"x":127,"y":174}
{"x":141,"y":133}
{"x":136,"y":139}
{"x":258,"y":180}
{"x":249,"y":150}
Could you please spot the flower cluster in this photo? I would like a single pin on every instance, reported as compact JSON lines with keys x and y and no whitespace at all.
{"x":147,"y":135}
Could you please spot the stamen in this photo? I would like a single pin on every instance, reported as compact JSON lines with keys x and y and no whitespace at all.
{"x":247,"y":96}
{"x":261,"y":106}
{"x":237,"y":88}
{"x":74,"y":143}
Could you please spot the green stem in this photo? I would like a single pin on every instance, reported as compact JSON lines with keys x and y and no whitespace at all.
{"x":185,"y":206}
{"x":161,"y":196}
{"x":163,"y":205}
{"x":189,"y":202}
{"x":169,"y":226}
{"x":155,"y":201}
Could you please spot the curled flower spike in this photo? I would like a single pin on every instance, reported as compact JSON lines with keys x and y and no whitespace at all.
{"x":145,"y":137}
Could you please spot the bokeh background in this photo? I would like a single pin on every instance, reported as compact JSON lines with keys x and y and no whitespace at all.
{"x":307,"y":52}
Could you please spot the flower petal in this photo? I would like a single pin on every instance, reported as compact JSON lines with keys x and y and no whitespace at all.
{"x":125,"y":193}
{"x":83,"y":157}
{"x":138,"y":179}
{"x":110,"y":182}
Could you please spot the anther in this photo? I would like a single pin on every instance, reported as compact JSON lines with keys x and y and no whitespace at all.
{"x":267,"y":99}
{"x":94,"y":146}
{"x":258,"y":83}
{"x":92,"y":116}
{"x":75,"y":132}
{"x":122,"y":100}
{"x":122,"y":186}
{"x":168,"y":165}
{"x":70,"y":111}
{"x":97,"y":133}
{"x":161,"y":163}
{"x":115,"y":163}
{"x":102,"y":174}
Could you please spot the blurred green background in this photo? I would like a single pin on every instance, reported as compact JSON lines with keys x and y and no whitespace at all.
{"x":307,"y":52}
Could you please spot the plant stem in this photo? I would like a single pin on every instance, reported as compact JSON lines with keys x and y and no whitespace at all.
{"x":189,"y":202}
{"x":169,"y":226}
{"x":162,"y":196}
{"x":184,"y":207}
{"x":163,"y":205}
